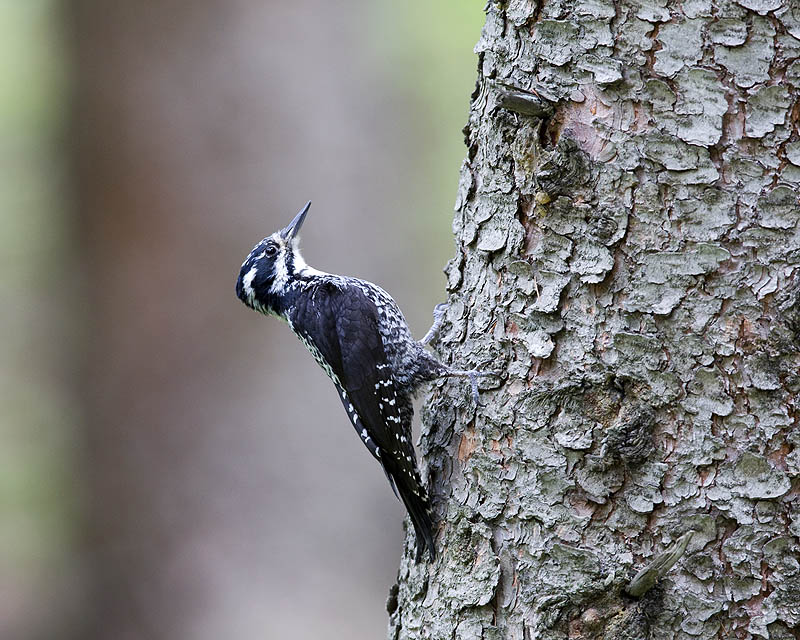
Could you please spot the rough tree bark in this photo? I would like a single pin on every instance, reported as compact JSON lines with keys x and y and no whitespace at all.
{"x":628,"y":252}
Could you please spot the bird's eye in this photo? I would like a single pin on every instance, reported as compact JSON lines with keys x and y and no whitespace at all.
{"x":271,"y":250}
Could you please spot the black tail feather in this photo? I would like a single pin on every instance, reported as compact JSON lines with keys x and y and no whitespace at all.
{"x":419,"y":509}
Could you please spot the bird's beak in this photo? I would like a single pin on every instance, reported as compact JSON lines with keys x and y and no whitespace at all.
{"x":293,"y":228}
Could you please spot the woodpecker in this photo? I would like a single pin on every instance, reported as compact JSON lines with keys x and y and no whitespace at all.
{"x":358,"y":335}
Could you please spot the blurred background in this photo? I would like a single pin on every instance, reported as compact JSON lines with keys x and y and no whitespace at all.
{"x":173,"y":465}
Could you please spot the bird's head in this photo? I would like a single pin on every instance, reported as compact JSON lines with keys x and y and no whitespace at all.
{"x":271,"y":266}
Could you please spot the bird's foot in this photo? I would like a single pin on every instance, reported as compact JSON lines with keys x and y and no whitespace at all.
{"x":472,"y":375}
{"x":439,"y":312}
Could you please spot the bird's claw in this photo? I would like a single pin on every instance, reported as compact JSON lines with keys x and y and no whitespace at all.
{"x":439,"y":312}
{"x":473,"y":383}
{"x":473,"y":376}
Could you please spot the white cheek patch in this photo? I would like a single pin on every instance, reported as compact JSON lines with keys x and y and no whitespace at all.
{"x":247,"y":283}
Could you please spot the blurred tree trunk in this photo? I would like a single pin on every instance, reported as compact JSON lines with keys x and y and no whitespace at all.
{"x":198,"y":130}
{"x":628,"y":251}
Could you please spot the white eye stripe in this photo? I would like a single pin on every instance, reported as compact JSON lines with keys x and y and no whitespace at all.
{"x":281,"y":273}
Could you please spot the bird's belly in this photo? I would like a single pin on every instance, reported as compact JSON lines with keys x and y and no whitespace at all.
{"x":312,"y":348}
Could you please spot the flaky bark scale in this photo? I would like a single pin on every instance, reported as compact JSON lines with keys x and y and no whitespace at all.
{"x":628,"y":252}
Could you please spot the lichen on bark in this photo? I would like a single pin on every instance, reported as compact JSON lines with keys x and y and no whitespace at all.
{"x":628,"y":254}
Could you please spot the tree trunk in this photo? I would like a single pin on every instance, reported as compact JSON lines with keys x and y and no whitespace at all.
{"x":627,"y":254}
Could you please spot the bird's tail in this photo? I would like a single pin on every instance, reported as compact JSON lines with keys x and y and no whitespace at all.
{"x":415,"y":499}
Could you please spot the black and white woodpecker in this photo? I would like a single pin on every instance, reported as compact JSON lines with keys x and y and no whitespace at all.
{"x":358,"y":335}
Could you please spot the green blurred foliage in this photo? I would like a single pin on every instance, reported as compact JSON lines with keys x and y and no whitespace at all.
{"x":430,"y":46}
{"x":36,"y":435}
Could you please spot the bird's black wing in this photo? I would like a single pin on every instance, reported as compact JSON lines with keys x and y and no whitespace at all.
{"x":340,"y":326}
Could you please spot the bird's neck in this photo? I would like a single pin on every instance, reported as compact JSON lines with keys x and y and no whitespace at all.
{"x":303,"y":271}
{"x":289,"y":285}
